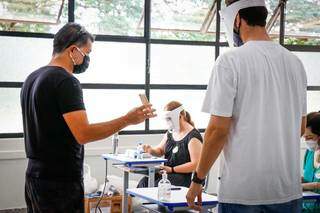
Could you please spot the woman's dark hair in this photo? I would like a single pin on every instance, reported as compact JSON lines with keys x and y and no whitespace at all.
{"x":254,"y":16}
{"x":174,"y":105}
{"x":69,"y":34}
{"x":313,"y":122}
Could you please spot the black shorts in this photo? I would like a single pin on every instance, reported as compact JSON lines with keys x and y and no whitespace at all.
{"x":48,"y":196}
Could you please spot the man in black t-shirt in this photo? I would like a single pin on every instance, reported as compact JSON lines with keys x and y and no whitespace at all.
{"x":56,"y":125}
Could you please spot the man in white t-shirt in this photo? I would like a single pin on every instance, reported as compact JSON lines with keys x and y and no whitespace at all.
{"x":257,"y":100}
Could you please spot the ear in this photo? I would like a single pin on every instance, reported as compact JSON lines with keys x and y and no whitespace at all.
{"x":237,"y":21}
{"x":72,"y":48}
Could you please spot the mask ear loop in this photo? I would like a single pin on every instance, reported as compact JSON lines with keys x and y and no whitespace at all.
{"x":82,"y":53}
{"x":74,"y":62}
{"x":72,"y":59}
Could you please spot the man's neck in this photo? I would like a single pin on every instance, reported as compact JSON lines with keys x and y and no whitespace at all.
{"x":255,"y":34}
{"x":58,"y":60}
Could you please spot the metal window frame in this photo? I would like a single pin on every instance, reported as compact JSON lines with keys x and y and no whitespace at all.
{"x":148,"y":41}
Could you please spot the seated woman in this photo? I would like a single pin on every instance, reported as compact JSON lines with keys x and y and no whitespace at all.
{"x":181,"y":146}
{"x":311,"y":170}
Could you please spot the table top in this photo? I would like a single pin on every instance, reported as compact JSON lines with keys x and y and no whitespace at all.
{"x":178,"y":197}
{"x":310,"y":195}
{"x":122,"y":158}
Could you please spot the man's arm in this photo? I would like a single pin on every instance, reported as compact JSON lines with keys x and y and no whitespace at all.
{"x":310,"y":186}
{"x":215,"y":138}
{"x":84,"y":132}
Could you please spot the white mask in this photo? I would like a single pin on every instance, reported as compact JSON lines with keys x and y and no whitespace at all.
{"x":173,"y":119}
{"x":311,"y":144}
{"x":228,"y":15}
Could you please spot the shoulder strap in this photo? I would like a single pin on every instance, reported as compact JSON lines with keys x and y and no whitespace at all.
{"x":195,"y":134}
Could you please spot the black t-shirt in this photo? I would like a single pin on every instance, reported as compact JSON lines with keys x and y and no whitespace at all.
{"x":177,"y":153}
{"x":53,"y":152}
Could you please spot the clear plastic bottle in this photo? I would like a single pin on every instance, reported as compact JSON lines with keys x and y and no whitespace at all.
{"x":164,"y":188}
{"x":139,"y":150}
{"x":115,"y":143}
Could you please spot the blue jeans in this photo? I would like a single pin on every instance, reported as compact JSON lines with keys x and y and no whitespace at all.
{"x":294,"y":206}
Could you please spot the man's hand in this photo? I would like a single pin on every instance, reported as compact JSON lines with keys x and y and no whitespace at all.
{"x":195,"y":190}
{"x":166,"y":168}
{"x":140,"y":114}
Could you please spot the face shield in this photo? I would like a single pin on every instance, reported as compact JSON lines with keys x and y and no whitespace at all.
{"x":173,"y":119}
{"x":228,"y":15}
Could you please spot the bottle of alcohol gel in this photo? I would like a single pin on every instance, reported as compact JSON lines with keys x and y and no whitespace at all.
{"x":140,"y":150}
{"x":164,"y":188}
{"x":115,"y":143}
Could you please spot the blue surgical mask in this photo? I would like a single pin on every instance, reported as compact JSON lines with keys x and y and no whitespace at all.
{"x":237,"y":39}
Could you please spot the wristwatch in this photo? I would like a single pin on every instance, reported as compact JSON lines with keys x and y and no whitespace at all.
{"x":197,"y":180}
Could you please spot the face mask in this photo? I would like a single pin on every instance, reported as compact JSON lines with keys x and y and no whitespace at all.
{"x":80,"y":68}
{"x":311,"y":144}
{"x":237,"y":40}
{"x":173,"y":119}
{"x":236,"y":37}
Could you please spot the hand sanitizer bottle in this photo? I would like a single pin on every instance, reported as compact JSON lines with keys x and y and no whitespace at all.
{"x":140,"y":150}
{"x":115,"y":143}
{"x":164,"y":188}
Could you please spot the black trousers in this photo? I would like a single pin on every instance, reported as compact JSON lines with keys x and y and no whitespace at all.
{"x":48,"y":196}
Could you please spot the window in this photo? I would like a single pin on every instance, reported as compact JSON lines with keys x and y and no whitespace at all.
{"x":311,"y":64}
{"x":313,"y":101}
{"x":191,"y":99}
{"x":302,"y":22}
{"x":112,"y":17}
{"x":170,"y":60}
{"x":182,"y":20}
{"x":181,"y":64}
{"x":103,"y":105}
{"x":10,"y":111}
{"x":114,"y":62}
{"x":20,"y":56}
{"x":33,"y":16}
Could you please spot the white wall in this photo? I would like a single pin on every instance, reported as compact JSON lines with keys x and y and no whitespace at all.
{"x":13,"y":164}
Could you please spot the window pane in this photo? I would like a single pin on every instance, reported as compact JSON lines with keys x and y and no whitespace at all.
{"x":313,"y":101}
{"x":275,"y":30}
{"x":114,"y":62}
{"x":112,"y":17}
{"x":21,"y":56}
{"x":10,"y":111}
{"x":311,"y":64}
{"x":302,"y":22}
{"x":33,"y":16}
{"x":181,"y":64}
{"x":111,"y":62}
{"x":104,"y":105}
{"x":101,"y":105}
{"x":191,"y":99}
{"x":183,"y":19}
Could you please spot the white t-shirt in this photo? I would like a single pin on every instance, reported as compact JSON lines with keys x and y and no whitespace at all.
{"x":262,"y":86}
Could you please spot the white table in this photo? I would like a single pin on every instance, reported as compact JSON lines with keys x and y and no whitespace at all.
{"x":311,"y":196}
{"x":178,"y":198}
{"x":128,"y":165}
